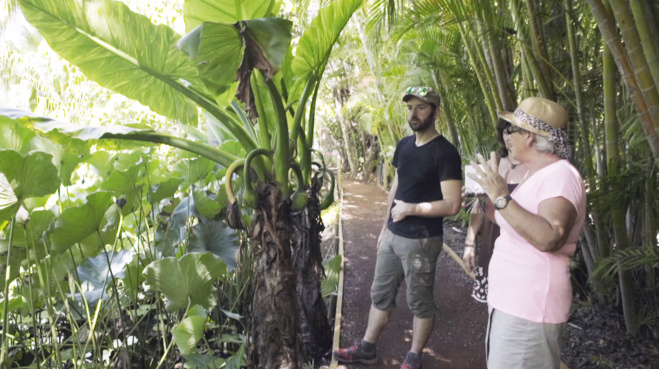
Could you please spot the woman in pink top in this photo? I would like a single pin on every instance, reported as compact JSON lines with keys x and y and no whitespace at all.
{"x":529,"y":283}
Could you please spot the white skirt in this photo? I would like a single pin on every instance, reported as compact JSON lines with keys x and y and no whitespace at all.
{"x":516,"y":343}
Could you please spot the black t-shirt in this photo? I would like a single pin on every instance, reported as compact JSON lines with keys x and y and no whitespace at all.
{"x":420,"y":171}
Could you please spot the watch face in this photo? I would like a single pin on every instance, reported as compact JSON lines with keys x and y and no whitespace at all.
{"x":501,"y":203}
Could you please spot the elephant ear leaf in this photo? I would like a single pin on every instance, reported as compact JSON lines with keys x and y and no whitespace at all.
{"x":226,"y":11}
{"x":9,"y":204}
{"x":217,"y":49}
{"x":33,"y":175}
{"x":119,"y":49}
{"x":14,"y":135}
{"x":317,"y":41}
{"x":188,"y":280}
{"x":78,"y":223}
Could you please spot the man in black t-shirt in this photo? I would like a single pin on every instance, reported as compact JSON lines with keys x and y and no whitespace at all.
{"x":426,"y":188}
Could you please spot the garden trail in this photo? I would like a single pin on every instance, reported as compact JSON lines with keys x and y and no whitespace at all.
{"x":457,"y":341}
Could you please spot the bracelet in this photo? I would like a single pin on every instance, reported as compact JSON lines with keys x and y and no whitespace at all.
{"x":467,"y":245}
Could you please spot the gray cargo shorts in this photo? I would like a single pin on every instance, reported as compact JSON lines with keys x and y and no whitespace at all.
{"x":415,"y":261}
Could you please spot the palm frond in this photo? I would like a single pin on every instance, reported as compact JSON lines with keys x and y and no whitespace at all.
{"x":645,"y":256}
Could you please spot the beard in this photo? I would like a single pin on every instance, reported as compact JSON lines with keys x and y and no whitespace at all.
{"x":421,"y":125}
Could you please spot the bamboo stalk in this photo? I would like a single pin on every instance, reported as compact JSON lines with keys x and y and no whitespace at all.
{"x":479,"y":40}
{"x":489,"y":100}
{"x":544,"y":87}
{"x":647,"y":37}
{"x":639,"y":64}
{"x":576,"y":81}
{"x":537,"y":42}
{"x":503,"y":83}
{"x":607,"y":27}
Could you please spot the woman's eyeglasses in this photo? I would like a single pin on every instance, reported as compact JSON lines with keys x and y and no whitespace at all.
{"x":421,"y":91}
{"x":511,"y":128}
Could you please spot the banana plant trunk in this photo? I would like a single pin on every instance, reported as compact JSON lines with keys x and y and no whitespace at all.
{"x":316,"y":331}
{"x":275,"y":341}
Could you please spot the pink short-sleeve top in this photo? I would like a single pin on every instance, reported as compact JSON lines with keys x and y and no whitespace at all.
{"x":523,"y":281}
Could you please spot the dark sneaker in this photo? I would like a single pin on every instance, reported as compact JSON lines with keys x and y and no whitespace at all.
{"x":356,"y":354}
{"x":412,"y":361}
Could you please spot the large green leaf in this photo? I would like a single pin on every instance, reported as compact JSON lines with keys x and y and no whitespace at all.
{"x":317,"y":41}
{"x":119,"y":49}
{"x":33,"y":175}
{"x":9,"y":204}
{"x":39,"y":222}
{"x":217,"y":49}
{"x":163,"y":190}
{"x":217,"y":237}
{"x":226,"y":11}
{"x":76,"y":224}
{"x":188,"y":280}
{"x":124,"y":181}
{"x":187,"y":333}
{"x":66,"y":156}
{"x":95,"y":276}
{"x":14,"y":135}
{"x":272,"y":35}
{"x":204,"y":205}
{"x":193,"y":170}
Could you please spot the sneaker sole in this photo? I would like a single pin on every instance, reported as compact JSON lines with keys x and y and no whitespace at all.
{"x":361,"y":361}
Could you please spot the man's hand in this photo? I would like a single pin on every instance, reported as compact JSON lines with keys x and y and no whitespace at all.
{"x":401,"y":210}
{"x":468,"y":257}
{"x":380,"y":237}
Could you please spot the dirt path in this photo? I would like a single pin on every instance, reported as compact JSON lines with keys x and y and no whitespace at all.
{"x":458,"y":338}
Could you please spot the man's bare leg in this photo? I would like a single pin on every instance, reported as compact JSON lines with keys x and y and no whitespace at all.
{"x":422,"y":329}
{"x":377,"y":320}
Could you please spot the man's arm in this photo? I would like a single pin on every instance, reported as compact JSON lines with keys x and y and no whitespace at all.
{"x":390,"y":201}
{"x":450,"y":205}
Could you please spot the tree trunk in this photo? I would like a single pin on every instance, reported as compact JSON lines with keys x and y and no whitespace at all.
{"x":346,"y":137}
{"x":316,"y":330}
{"x":272,"y":314}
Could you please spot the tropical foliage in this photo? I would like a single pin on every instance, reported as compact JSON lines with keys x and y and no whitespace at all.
{"x":178,"y":226}
{"x":160,"y":193}
{"x":485,"y":57}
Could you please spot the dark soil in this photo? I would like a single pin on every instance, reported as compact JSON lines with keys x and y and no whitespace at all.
{"x":595,"y":337}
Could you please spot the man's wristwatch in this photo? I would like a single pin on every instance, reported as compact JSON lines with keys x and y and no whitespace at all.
{"x":502,"y":201}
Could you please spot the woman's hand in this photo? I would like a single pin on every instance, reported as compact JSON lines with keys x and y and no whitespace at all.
{"x":487,"y":175}
{"x":468,"y":257}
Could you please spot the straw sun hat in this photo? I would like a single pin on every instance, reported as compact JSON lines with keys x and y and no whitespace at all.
{"x":542,"y":117}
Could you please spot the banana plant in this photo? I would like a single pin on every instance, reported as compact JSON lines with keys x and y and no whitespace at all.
{"x":272,"y":117}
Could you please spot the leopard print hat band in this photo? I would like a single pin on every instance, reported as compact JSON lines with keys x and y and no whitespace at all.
{"x":556,"y":136}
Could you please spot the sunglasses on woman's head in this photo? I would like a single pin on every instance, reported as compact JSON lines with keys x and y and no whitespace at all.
{"x":421,"y":91}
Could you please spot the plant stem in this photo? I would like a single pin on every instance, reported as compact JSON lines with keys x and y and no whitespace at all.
{"x":3,"y":353}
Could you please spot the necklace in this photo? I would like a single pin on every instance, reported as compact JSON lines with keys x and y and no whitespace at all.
{"x":513,"y":166}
